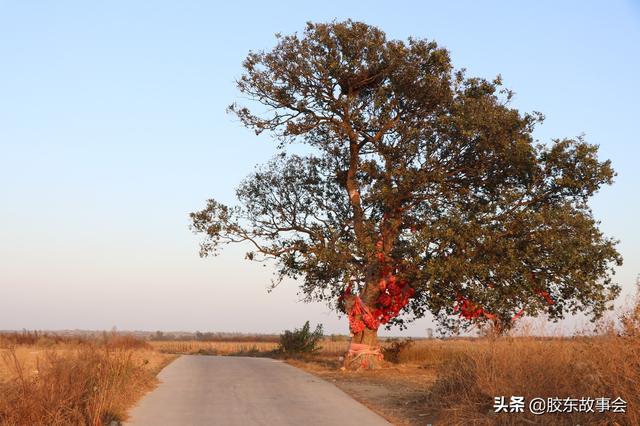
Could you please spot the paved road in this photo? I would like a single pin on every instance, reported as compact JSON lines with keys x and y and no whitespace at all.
{"x":212,"y":390}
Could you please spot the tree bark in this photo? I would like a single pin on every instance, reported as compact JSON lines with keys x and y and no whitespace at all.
{"x":364,"y":352}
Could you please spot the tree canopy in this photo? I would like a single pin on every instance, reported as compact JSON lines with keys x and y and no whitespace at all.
{"x":423,"y":190}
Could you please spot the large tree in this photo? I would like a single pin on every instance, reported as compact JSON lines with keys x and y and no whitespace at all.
{"x":422,"y":190}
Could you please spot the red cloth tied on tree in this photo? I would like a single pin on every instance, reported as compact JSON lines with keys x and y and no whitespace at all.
{"x":471,"y":311}
{"x":360,"y":350}
{"x":394,"y":295}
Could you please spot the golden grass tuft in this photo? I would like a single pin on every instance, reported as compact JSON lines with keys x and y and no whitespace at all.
{"x":604,"y":365}
{"x":62,"y":381}
{"x":564,"y":368}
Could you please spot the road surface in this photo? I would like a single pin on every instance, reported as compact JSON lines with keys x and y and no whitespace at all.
{"x":216,"y":390}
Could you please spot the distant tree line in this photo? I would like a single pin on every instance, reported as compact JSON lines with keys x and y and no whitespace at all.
{"x":214,"y":337}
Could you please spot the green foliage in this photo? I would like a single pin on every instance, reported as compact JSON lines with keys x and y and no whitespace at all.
{"x":301,"y":340}
{"x":418,"y":163}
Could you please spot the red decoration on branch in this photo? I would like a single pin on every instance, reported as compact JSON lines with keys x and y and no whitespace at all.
{"x":546,"y":297}
{"x":471,"y":311}
{"x":394,"y":294}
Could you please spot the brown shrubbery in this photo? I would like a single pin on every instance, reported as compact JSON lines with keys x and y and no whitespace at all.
{"x":74,"y":381}
{"x":393,"y":348}
{"x":606,"y":365}
{"x":37,"y":338}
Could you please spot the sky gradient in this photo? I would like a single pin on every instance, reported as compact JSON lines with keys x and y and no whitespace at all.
{"x":113,"y":128}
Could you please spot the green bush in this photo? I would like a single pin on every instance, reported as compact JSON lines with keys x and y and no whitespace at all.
{"x":301,"y":340}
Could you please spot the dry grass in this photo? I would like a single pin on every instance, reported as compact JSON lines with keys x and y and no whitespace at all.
{"x":607,"y":366}
{"x":329,"y":348}
{"x":214,"y":348}
{"x":431,"y":353}
{"x":455,"y":381}
{"x":50,"y":380}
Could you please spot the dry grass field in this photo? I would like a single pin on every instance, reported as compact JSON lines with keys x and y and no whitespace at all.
{"x":454,"y":381}
{"x":194,"y":347}
{"x":449,"y":381}
{"x":51,"y":380}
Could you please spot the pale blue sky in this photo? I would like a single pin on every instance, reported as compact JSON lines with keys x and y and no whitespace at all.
{"x":113,"y":128}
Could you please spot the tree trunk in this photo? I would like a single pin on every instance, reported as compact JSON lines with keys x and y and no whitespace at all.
{"x":364,"y":352}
